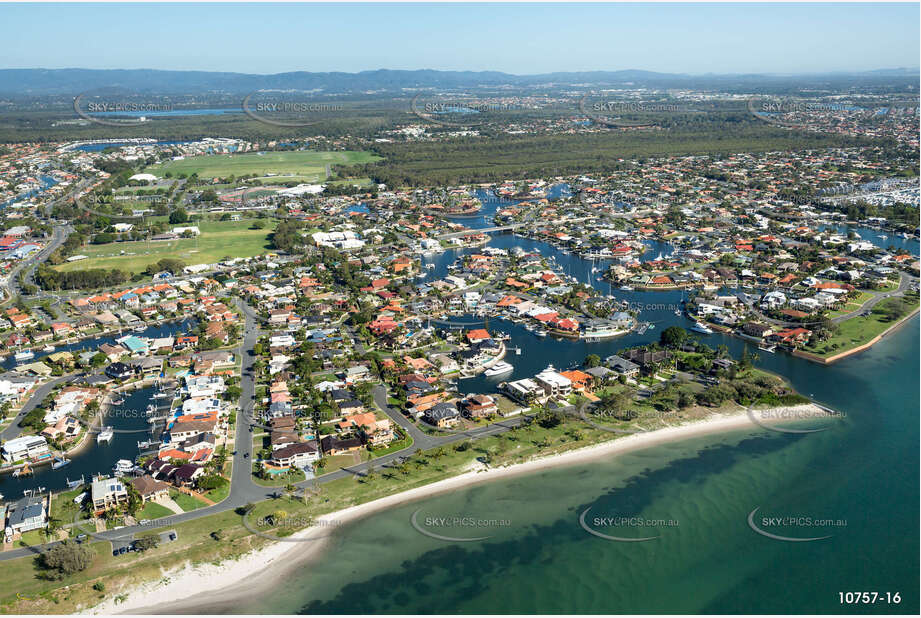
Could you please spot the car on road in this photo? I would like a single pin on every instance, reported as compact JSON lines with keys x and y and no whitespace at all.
{"x":143,"y":522}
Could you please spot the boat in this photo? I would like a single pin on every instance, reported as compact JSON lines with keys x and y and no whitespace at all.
{"x":59,"y":462}
{"x":540,"y":333}
{"x":123,"y":466}
{"x":430,"y":266}
{"x":118,"y":401}
{"x":48,"y":348}
{"x":677,"y":311}
{"x":105,"y":434}
{"x":74,"y":484}
{"x":626,"y":288}
{"x":499,"y":368}
{"x":767,"y":348}
{"x":161,"y":395}
{"x":24,"y":355}
{"x":140,"y":329}
{"x":700,"y":327}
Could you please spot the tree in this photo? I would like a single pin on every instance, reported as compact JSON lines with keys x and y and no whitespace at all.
{"x":548,"y":419}
{"x":67,"y":558}
{"x":178,"y":216}
{"x":278,"y":517}
{"x":673,"y":337}
{"x":148,"y":541}
{"x":592,"y":360}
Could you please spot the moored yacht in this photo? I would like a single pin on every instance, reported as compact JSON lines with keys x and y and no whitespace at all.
{"x":499,"y":368}
{"x":700,"y":327}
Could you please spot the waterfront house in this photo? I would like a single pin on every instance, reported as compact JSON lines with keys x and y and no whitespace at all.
{"x":119,"y":371}
{"x":108,"y":493}
{"x":479,"y":406}
{"x":443,"y":414}
{"x":333,"y":445}
{"x":149,"y":488}
{"x":27,"y":514}
{"x":25,"y":447}
{"x":298,"y":455}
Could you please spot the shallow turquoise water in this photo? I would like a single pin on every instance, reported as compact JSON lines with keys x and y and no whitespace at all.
{"x":862,"y":470}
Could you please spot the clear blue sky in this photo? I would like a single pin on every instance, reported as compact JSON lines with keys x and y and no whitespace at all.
{"x":515,"y":38}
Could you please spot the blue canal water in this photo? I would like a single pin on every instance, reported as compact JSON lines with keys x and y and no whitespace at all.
{"x":861,"y":471}
{"x":128,"y":419}
{"x":45,"y":182}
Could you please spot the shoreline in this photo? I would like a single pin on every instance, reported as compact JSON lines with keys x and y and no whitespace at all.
{"x":856,"y":350}
{"x":192,"y":589}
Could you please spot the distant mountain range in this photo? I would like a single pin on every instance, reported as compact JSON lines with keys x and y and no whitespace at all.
{"x":45,"y":82}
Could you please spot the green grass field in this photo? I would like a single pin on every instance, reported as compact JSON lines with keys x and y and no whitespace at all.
{"x":307,"y":165}
{"x":860,"y":330}
{"x":152,"y":510}
{"x":218,"y":239}
{"x":186,"y":502}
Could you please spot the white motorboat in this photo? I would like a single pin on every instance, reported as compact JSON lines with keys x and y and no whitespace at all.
{"x":24,"y":355}
{"x":700,"y":327}
{"x":123,"y":466}
{"x":48,"y":348}
{"x":105,"y":435}
{"x":499,"y":368}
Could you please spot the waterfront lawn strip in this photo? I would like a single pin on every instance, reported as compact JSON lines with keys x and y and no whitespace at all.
{"x":860,"y":330}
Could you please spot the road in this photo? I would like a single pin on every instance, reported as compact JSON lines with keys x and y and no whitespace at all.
{"x":11,"y":286}
{"x":13,"y":430}
{"x":905,"y":281}
{"x":243,"y":489}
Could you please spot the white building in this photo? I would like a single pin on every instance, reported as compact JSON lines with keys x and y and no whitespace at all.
{"x":26,"y":447}
{"x":554,"y":383}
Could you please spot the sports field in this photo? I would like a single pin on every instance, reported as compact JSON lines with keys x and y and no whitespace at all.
{"x":218,"y":240}
{"x":308,"y":166}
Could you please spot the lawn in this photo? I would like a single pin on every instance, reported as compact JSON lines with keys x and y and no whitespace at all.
{"x":860,"y":330}
{"x":186,"y":502}
{"x":307,"y":165}
{"x":218,"y":239}
{"x":218,"y":494}
{"x":152,"y":510}
{"x":196,"y":542}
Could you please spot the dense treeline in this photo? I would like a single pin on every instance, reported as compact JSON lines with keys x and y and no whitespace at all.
{"x":50,"y":279}
{"x":509,"y":156}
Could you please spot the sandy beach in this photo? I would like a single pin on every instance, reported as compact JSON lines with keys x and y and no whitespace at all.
{"x":210,"y":587}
